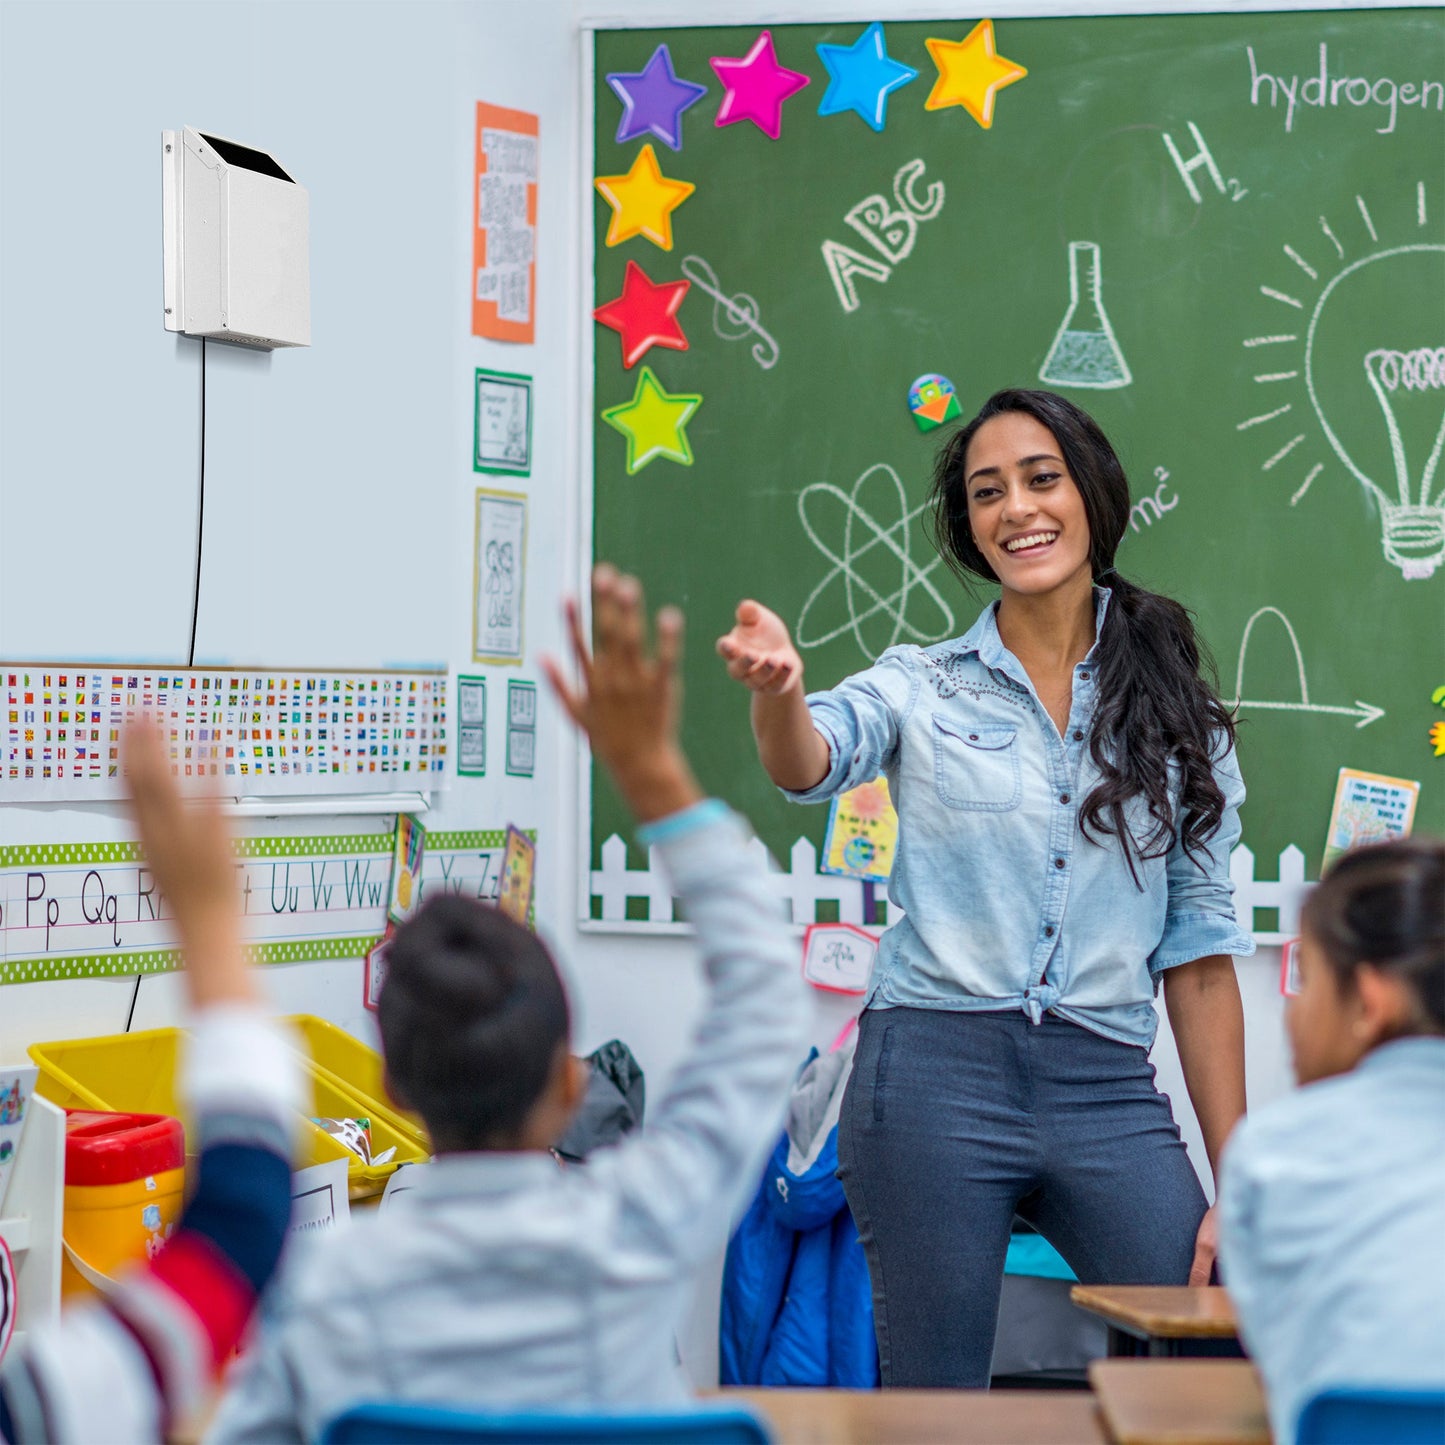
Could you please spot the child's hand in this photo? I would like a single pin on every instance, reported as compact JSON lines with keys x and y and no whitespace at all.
{"x":759,"y":653}
{"x":187,"y":847}
{"x":629,"y":698}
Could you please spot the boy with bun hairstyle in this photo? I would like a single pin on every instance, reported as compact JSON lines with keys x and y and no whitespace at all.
{"x":500,"y":1280}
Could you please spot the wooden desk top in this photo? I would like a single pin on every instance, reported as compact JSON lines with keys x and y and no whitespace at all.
{"x":1168,"y":1312}
{"x":1180,"y":1402}
{"x":926,"y":1417}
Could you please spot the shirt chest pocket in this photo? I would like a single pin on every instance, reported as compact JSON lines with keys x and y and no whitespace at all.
{"x":976,"y":767}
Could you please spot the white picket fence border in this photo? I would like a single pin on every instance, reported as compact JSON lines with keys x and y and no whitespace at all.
{"x":803,"y":887}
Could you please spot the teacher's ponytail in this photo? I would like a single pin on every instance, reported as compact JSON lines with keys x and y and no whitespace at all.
{"x":1158,"y":705}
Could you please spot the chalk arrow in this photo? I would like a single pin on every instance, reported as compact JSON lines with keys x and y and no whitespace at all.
{"x":1364,"y":711}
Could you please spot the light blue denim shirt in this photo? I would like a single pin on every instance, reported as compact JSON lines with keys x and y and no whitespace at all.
{"x":1332,"y":1230}
{"x":1006,"y":903}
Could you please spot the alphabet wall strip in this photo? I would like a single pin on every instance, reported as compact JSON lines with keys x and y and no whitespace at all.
{"x":258,"y":731}
{"x":92,"y":910}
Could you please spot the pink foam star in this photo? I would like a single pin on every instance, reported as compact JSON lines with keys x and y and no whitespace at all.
{"x":755,"y":87}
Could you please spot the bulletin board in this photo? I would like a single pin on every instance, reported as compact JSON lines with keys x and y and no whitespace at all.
{"x":1222,"y":234}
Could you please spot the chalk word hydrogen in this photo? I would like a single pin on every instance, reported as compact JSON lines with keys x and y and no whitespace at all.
{"x":891,"y":229}
{"x":1323,"y":91}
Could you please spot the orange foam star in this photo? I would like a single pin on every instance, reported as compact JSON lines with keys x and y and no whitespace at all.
{"x":643,"y":201}
{"x":970,"y":73}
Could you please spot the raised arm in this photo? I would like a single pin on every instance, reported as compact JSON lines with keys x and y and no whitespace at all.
{"x":144,"y":1359}
{"x":697,"y":1157}
{"x":760,"y":654}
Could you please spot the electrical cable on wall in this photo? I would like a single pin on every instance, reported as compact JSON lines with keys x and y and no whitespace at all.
{"x":195,"y":597}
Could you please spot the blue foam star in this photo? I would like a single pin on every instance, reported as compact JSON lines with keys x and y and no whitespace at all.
{"x":861,"y":76}
{"x":653,"y":100}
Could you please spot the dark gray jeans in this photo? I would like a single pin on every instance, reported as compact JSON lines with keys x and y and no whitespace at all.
{"x":952,"y":1123}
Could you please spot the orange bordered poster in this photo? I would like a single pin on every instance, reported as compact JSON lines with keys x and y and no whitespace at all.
{"x":504,"y":225}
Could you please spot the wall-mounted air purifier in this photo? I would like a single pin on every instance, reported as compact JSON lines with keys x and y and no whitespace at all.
{"x":236,"y":246}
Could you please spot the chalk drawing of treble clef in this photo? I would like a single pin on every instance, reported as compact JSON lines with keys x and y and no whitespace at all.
{"x":733,"y":317}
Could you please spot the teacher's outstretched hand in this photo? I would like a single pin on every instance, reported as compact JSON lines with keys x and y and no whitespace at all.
{"x":760,"y":654}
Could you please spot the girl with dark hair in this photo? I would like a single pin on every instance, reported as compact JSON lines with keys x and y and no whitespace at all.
{"x":1333,"y":1199}
{"x":1067,"y":799}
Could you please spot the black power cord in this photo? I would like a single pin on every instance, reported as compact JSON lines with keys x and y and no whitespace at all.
{"x":195,"y":598}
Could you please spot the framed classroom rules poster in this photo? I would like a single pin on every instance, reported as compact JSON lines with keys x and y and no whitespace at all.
{"x":502,"y":423}
{"x":500,"y":577}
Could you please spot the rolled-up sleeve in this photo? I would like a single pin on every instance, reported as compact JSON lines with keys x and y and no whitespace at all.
{"x":1199,"y":917}
{"x":860,"y":720}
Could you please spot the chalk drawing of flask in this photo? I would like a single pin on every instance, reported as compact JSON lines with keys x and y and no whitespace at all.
{"x":1085,"y":353}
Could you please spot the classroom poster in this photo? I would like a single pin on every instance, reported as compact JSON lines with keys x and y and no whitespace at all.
{"x":471,"y":727}
{"x":259,"y":731}
{"x":374,"y":974}
{"x":519,"y":876}
{"x":92,"y":910}
{"x":862,"y":834}
{"x":1368,"y":808}
{"x":1289,"y":975}
{"x":504,"y":215}
{"x":405,"y":867}
{"x":502,"y":423}
{"x":17,"y":1087}
{"x":500,"y":575}
{"x":521,"y":728}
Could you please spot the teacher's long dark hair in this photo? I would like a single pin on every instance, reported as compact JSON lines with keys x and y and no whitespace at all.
{"x":1157,"y":699}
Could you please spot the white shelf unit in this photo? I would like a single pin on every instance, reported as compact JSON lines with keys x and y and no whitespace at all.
{"x":31,"y":1216}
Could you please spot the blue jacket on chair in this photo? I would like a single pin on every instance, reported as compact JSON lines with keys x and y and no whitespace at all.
{"x":797,"y":1309}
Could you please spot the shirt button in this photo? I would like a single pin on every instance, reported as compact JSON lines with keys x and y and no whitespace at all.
{"x":1048,"y":930}
{"x":1058,"y":862}
{"x":973,"y":737}
{"x":1085,"y":676}
{"x":1063,"y":797}
{"x":1078,"y":736}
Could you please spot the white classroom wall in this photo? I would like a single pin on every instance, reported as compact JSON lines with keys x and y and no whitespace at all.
{"x":339,"y":489}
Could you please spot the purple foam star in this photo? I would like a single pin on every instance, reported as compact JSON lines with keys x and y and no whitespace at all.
{"x":654,"y":99}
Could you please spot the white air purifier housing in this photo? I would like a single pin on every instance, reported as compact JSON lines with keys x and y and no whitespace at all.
{"x":236,"y":245}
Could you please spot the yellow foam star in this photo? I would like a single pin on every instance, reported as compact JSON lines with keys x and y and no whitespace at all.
{"x":653,"y":423}
{"x":970,"y":73}
{"x":643,"y":201}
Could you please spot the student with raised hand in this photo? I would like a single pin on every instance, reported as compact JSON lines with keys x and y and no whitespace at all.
{"x":498,"y":1279}
{"x":1332,"y":1207}
{"x":1067,"y":799}
{"x":146,"y":1358}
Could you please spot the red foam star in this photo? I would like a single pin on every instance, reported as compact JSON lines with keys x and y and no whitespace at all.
{"x":645,"y":315}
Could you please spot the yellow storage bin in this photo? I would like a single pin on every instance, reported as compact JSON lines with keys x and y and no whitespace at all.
{"x":359,"y":1070}
{"x":136,"y":1073}
{"x":124,"y":1187}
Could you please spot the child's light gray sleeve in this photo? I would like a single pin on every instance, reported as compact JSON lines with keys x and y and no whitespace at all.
{"x":697,"y":1160}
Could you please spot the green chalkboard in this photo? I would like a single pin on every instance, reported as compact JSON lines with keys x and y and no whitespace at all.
{"x":1259,"y":198}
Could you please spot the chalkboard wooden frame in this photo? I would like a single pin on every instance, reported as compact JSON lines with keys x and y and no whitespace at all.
{"x":1150,"y":505}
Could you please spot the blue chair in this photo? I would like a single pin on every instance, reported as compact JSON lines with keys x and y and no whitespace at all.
{"x":1373,"y":1417}
{"x":399,"y":1424}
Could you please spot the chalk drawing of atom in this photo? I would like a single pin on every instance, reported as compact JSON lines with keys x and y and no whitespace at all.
{"x":874,"y":589}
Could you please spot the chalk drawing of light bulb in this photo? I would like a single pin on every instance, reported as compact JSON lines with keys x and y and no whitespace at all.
{"x":1414,"y":525}
{"x":1085,"y":352}
{"x":1372,"y":356}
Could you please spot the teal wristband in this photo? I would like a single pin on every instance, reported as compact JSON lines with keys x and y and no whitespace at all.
{"x":688,"y":820}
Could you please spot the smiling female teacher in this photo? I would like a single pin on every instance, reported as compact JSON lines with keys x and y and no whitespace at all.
{"x":1067,"y":798}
